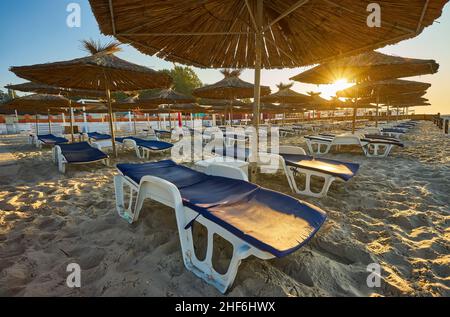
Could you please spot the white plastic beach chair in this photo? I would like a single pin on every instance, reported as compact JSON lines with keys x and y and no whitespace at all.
{"x":243,"y":243}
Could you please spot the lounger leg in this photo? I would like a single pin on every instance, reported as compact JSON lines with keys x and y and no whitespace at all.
{"x":328,"y":180}
{"x":204,"y":268}
{"x":125,"y":213}
{"x":61,"y":166}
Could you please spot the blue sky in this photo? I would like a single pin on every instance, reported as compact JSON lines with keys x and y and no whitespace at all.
{"x":35,"y":31}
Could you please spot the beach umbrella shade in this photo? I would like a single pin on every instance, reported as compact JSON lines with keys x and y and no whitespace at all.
{"x":286,"y":95}
{"x":102,"y":70}
{"x":384,"y":88}
{"x":257,"y":33}
{"x":35,"y":103}
{"x":365,"y":67}
{"x":168,"y":97}
{"x":369,"y":66}
{"x":47,"y":89}
{"x":231,"y":87}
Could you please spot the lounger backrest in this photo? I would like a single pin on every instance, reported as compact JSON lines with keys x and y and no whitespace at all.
{"x":347,"y":140}
{"x":75,"y":146}
{"x":285,"y":149}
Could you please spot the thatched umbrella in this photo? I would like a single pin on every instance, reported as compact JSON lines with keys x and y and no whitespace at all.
{"x":167,"y":97}
{"x":369,"y":66}
{"x":47,"y":89}
{"x":102,"y":70}
{"x":384,"y":88}
{"x":231,"y":87}
{"x":38,"y":102}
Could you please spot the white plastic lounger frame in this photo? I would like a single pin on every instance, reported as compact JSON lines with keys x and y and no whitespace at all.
{"x":60,"y":160}
{"x":370,"y":149}
{"x":168,"y":194}
{"x":292,"y":171}
{"x":141,"y":152}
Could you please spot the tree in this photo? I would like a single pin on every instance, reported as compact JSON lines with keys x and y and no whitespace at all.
{"x":185,"y":80}
{"x":4,"y":97}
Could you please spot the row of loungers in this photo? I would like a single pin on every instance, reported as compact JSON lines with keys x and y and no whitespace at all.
{"x":254,"y":220}
{"x":85,"y":153}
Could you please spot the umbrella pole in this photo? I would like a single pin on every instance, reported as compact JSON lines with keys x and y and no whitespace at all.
{"x":71,"y":120}
{"x":49,"y":122}
{"x":376,"y":115}
{"x":134,"y":123}
{"x":111,"y":124}
{"x":257,"y":93}
{"x":37,"y":125}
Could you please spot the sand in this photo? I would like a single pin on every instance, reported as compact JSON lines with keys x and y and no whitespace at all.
{"x":395,"y":212}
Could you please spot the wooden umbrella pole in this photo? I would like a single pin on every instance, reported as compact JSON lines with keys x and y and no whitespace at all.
{"x":376,"y":115}
{"x":71,"y":120}
{"x":49,"y":122}
{"x":37,"y":124}
{"x":134,"y":123}
{"x":111,"y":124}
{"x":257,"y":93}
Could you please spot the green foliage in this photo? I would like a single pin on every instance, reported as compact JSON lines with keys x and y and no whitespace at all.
{"x":185,"y":80}
{"x":4,"y":97}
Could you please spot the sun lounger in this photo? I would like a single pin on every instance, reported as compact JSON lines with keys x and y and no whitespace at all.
{"x":95,"y":136}
{"x":322,"y":144}
{"x":77,"y":153}
{"x":256,"y":221}
{"x":293,"y":160}
{"x":49,"y":139}
{"x":143,"y":147}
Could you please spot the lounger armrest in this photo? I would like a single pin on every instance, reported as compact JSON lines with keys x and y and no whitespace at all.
{"x":224,"y":170}
{"x":161,"y":190}
{"x":286,"y":149}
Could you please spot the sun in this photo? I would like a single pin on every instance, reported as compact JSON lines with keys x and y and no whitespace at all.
{"x":329,"y":91}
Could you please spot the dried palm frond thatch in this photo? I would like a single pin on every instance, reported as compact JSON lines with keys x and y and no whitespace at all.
{"x":46,"y":89}
{"x":217,"y":34}
{"x":383,"y":88}
{"x":100,"y":71}
{"x":373,"y":66}
{"x":230,"y":87}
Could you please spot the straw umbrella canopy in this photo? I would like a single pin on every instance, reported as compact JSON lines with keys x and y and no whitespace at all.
{"x":367,"y":67}
{"x":102,"y":70}
{"x":384,"y":87}
{"x":167,"y":97}
{"x":286,"y":95}
{"x":231,"y":87}
{"x":373,"y":66}
{"x":47,"y":89}
{"x":40,"y":102}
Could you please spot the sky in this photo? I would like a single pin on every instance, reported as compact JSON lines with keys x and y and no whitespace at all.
{"x":35,"y":31}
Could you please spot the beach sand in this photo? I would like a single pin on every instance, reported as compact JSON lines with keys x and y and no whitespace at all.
{"x":395,"y":212}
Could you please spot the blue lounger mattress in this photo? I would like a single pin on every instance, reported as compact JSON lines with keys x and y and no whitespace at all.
{"x":51,"y":139}
{"x":98,"y":136}
{"x":271,"y":221}
{"x":81,"y":153}
{"x":339,"y":169}
{"x":153,"y":145}
{"x":393,"y":130}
